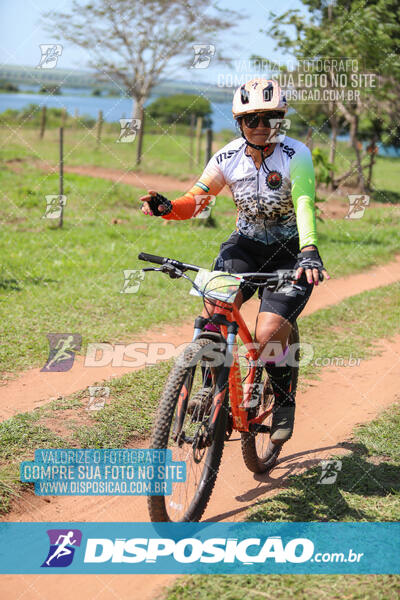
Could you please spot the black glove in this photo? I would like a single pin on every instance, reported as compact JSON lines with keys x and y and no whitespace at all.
{"x":155,"y":202}
{"x":310,"y":259}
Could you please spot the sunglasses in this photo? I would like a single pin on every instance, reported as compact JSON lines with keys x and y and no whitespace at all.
{"x":253,"y":120}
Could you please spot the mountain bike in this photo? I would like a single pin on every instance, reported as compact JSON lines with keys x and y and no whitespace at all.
{"x":207,"y":396}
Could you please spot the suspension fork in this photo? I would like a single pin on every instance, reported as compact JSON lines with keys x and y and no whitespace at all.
{"x":183,"y":402}
{"x":230,"y":329}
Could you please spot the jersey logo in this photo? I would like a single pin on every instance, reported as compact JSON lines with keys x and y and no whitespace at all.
{"x":288,"y":150}
{"x":225,"y":155}
{"x":274,"y":180}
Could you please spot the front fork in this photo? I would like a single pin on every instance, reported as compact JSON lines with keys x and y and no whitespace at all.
{"x":182,"y":404}
{"x":230,"y":377}
{"x":222,"y":383}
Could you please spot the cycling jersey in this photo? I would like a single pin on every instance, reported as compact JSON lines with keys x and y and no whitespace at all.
{"x":274,"y":203}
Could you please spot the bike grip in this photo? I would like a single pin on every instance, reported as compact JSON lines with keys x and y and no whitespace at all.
{"x":159,"y":260}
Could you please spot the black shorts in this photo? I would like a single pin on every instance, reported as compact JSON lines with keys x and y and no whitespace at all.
{"x":241,"y":255}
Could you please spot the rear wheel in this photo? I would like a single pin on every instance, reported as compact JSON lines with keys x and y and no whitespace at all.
{"x":192,"y":383}
{"x":259,"y":454}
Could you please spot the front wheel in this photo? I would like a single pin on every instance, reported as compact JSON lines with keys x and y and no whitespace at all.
{"x":197,"y":382}
{"x":259,"y":454}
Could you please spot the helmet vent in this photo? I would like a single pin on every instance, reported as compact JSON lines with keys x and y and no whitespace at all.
{"x":244,"y":95}
{"x":268,"y":92}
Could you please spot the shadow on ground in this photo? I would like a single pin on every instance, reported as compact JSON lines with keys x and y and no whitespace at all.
{"x":386,"y":197}
{"x":347,"y":499}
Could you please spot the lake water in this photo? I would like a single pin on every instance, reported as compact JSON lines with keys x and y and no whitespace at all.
{"x":115,"y":108}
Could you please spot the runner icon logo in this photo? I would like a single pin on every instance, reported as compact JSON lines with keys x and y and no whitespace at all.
{"x":62,"y":351}
{"x":330,"y":471}
{"x":62,"y":547}
{"x":203,"y":54}
{"x":98,"y":396}
{"x":50,"y":55}
{"x":129,"y":129}
{"x":133,"y":279}
{"x":201,"y":200}
{"x":357,"y":206}
{"x":54,"y":206}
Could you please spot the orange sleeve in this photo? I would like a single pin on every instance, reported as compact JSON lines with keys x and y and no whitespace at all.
{"x":199,"y":196}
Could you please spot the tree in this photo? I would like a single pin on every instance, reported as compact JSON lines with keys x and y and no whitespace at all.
{"x":135,"y":42}
{"x":365,"y":29}
{"x":179,"y":108}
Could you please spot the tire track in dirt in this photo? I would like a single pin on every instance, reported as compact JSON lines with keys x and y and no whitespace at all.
{"x":326,"y":415}
{"x":34,"y":388}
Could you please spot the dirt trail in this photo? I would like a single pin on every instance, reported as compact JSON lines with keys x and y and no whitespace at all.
{"x":335,"y":208}
{"x":326,"y":415}
{"x":34,"y":388}
{"x":138,"y":179}
{"x":163,"y":183}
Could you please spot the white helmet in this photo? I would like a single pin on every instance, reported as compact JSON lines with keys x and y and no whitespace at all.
{"x":258,"y":95}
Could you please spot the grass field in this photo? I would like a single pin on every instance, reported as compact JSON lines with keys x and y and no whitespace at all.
{"x":367,"y":489}
{"x":70,"y":280}
{"x":46,"y":271}
{"x":128,"y":417}
{"x":165,"y":152}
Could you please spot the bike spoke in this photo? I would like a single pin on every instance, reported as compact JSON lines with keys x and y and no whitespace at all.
{"x":183,"y":493}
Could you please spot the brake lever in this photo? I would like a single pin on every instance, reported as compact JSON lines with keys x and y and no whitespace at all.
{"x":151,"y":269}
{"x":172,"y":271}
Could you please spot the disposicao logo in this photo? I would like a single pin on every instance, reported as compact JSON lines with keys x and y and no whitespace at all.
{"x":191,"y":550}
{"x":62,"y":547}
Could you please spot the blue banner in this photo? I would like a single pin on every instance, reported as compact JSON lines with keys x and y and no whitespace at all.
{"x":239,"y":548}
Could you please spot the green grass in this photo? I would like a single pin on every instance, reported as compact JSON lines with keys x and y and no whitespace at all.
{"x":129,"y":415}
{"x":22,"y":434}
{"x":135,"y":398}
{"x":165,"y":153}
{"x":385,"y":180}
{"x":66,"y":423}
{"x":367,"y":489}
{"x":19,"y":438}
{"x":287,"y":587}
{"x":369,"y":316}
{"x":69,"y":280}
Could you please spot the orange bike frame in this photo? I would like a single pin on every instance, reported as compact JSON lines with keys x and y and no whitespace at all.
{"x":241,"y":401}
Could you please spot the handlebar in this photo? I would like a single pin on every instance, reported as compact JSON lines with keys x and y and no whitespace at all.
{"x":163,"y":260}
{"x":176,"y":264}
{"x":158,"y":260}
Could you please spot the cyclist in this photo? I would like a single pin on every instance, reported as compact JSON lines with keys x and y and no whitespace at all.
{"x":271,"y":178}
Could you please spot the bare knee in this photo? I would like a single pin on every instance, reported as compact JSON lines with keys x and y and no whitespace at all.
{"x":272,"y":328}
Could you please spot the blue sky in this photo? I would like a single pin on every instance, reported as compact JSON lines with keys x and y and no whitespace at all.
{"x":21,"y":33}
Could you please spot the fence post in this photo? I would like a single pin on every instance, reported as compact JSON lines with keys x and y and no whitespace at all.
{"x":63,"y":117}
{"x":209,"y":141}
{"x":99,"y":125}
{"x":61,"y":177}
{"x":191,"y":139}
{"x":140,"y":137}
{"x":199,"y":127}
{"x":42,"y":123}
